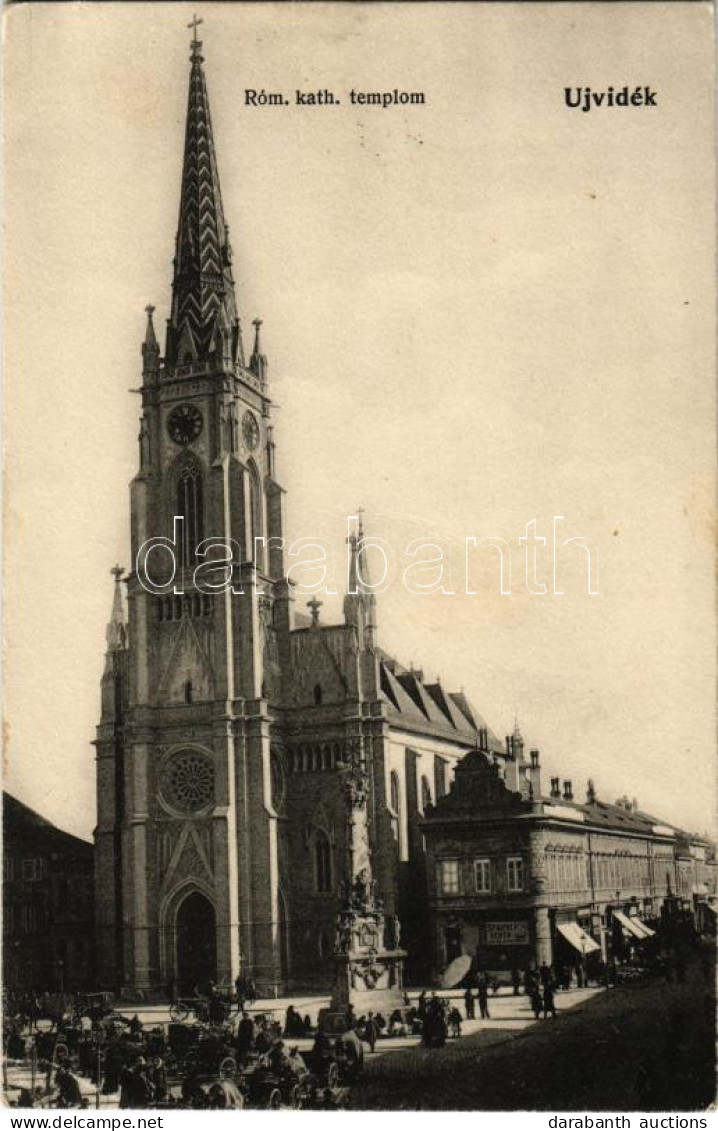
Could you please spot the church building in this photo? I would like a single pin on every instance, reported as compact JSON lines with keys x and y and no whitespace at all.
{"x":229,"y":720}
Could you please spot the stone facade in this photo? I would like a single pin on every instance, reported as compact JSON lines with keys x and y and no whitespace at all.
{"x":227,"y":718}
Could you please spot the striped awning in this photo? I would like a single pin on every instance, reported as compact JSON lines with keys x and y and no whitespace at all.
{"x":579,"y":939}
{"x":633,"y":925}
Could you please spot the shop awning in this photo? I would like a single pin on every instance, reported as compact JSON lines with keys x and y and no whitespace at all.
{"x":647,"y":931}
{"x":578,"y":938}
{"x":632,"y":925}
{"x":700,"y":889}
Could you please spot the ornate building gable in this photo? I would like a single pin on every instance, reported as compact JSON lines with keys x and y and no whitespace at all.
{"x":314,"y":664}
{"x":477,"y":785}
{"x":185,"y":852}
{"x":187,"y":674}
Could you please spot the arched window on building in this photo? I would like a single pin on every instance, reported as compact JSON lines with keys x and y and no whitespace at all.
{"x":317,"y":695}
{"x":254,"y":524}
{"x":189,"y":507}
{"x":188,"y":691}
{"x":395,"y":806}
{"x":425,"y":793}
{"x":322,"y":862}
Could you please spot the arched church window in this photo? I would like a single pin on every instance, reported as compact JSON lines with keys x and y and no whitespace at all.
{"x":188,"y":691}
{"x":395,"y":791}
{"x":317,"y":695}
{"x":425,"y":793}
{"x":395,"y":803}
{"x":189,"y":507}
{"x":255,"y":516}
{"x":323,"y":862}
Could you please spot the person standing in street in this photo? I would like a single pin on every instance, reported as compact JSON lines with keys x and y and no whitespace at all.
{"x":371,"y":1031}
{"x":549,"y":1004}
{"x":483,"y":996}
{"x":470,"y":1003}
{"x":536,"y":1001}
{"x":516,"y":981}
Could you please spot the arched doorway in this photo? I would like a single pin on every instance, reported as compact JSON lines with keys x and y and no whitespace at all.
{"x":196,"y":943}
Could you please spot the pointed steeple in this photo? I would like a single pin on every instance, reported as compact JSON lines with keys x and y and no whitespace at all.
{"x":150,"y":347}
{"x":116,"y":633}
{"x":258,"y":360}
{"x":204,"y":308}
{"x":360,"y":602}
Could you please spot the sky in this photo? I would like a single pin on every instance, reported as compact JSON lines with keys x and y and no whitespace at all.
{"x":479,"y":311}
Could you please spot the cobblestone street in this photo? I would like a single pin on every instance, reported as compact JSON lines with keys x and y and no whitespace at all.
{"x":647,"y":1047}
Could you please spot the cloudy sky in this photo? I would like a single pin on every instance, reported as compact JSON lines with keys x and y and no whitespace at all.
{"x":479,"y":311}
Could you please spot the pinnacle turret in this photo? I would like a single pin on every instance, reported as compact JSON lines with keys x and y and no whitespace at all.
{"x":204,"y":324}
{"x":150,"y":346}
{"x":360,"y":602}
{"x":116,"y":633}
{"x":258,"y":360}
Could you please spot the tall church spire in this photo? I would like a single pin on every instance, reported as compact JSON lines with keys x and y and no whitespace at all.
{"x":360,"y":602}
{"x":204,"y":325}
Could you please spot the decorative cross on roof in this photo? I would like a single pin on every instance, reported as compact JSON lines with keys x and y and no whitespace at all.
{"x":314,"y":606}
{"x":117,"y":572}
{"x":195,"y":41}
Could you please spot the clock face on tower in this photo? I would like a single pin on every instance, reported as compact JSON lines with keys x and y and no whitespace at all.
{"x":250,"y":431}
{"x":184,"y":423}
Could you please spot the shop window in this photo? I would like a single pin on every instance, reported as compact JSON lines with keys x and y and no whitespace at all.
{"x":449,"y":877}
{"x":482,"y":876}
{"x":515,"y":873}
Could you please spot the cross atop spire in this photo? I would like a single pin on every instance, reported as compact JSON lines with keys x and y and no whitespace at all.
{"x":204,"y":324}
{"x":314,"y":606}
{"x":194,"y":24}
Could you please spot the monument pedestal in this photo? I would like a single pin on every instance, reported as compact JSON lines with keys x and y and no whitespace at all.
{"x":368,"y":977}
{"x":368,"y":974}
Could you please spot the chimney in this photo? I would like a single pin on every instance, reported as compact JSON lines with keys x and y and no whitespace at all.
{"x":635,"y":804}
{"x":568,"y":791}
{"x":591,"y":793}
{"x":534,"y":774}
{"x":511,"y":775}
{"x":555,"y":787}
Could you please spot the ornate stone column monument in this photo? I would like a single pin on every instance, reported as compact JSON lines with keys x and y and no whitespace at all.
{"x":368,"y":973}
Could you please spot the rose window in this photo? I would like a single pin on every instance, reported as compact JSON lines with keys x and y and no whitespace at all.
{"x":189,"y":781}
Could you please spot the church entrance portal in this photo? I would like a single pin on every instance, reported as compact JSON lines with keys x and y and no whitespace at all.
{"x":196,"y":944}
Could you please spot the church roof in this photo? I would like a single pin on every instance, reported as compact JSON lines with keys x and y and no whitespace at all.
{"x":204,"y":309}
{"x":427,"y":706}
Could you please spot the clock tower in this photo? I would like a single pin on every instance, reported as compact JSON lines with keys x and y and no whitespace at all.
{"x":187,"y":882}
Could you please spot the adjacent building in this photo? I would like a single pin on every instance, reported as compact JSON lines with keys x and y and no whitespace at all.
{"x":518,"y":876}
{"x":48,"y":914}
